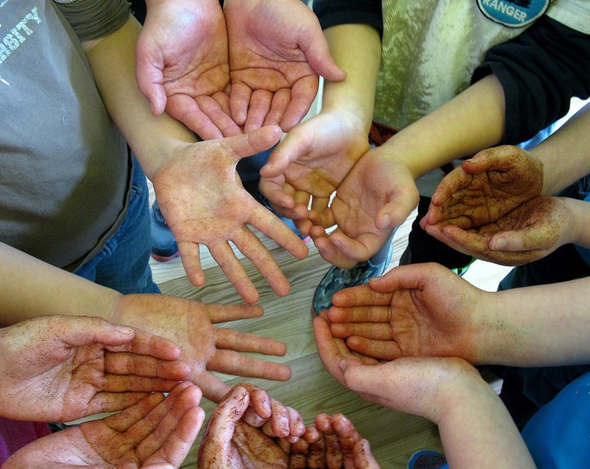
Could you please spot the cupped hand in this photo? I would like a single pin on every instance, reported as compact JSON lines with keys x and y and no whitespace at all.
{"x":485,"y":188}
{"x":413,"y":384}
{"x":183,"y":65}
{"x":275,"y":418}
{"x":204,"y":347}
{"x":203,"y":202}
{"x":415,"y":310}
{"x":60,"y":368}
{"x":229,"y":442}
{"x":528,"y":233}
{"x":311,"y":162}
{"x":156,"y":433}
{"x":375,"y":197}
{"x":277,"y":51}
{"x":344,"y":446}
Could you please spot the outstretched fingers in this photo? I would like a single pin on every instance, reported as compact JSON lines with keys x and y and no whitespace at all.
{"x":230,"y":339}
{"x":234,"y":363}
{"x":263,"y":220}
{"x":253,"y":249}
{"x":234,"y":271}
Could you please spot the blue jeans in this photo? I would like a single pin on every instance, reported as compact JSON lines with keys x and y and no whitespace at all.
{"x":123,"y":263}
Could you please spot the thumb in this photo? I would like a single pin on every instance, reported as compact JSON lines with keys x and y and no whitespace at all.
{"x":227,"y":413}
{"x":394,"y":212}
{"x":294,"y":145}
{"x":79,"y":331}
{"x":150,"y":83}
{"x":358,"y":377}
{"x":316,"y":50}
{"x":254,"y":142}
{"x":517,"y":241}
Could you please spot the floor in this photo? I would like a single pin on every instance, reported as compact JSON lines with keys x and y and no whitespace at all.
{"x":394,"y":436}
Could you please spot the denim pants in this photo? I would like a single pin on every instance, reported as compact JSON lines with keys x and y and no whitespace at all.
{"x":123,"y":263}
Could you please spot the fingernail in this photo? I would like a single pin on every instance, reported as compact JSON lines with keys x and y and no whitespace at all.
{"x":342,"y":365}
{"x":497,"y":244}
{"x":124,"y":330}
{"x":386,"y":221}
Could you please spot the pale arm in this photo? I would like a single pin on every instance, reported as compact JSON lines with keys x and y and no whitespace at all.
{"x":151,"y":138}
{"x":475,"y":416}
{"x":544,"y":325}
{"x":566,"y":154}
{"x":356,"y":49}
{"x":471,"y":121}
{"x":32,"y":288}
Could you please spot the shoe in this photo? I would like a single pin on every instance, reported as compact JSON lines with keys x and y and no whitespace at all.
{"x":460,"y":271}
{"x":337,"y":279}
{"x":164,"y":246}
{"x":428,"y":460}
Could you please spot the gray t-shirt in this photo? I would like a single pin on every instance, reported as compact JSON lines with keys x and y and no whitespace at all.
{"x":64,"y":166}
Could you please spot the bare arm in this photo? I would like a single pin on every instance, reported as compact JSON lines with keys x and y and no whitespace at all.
{"x":151,"y":138}
{"x":476,"y":429}
{"x":31,"y":288}
{"x":544,"y":325}
{"x":471,"y":121}
{"x":357,"y":50}
{"x":566,"y":154}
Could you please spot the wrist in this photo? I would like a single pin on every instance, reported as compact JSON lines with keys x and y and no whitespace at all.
{"x":405,"y":149}
{"x":155,"y":154}
{"x":578,"y":221}
{"x":464,"y":395}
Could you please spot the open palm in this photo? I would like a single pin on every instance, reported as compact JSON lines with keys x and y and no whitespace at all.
{"x":276,"y":53}
{"x":204,"y":347}
{"x":376,"y":196}
{"x":409,"y":313}
{"x":156,"y":433}
{"x":187,"y":76}
{"x":204,"y":202}
{"x":60,"y":368}
{"x":311,"y":162}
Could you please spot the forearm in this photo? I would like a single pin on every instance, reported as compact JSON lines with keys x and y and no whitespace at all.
{"x":566,"y":154}
{"x":544,"y":325}
{"x":113,"y":63}
{"x":477,"y":431}
{"x":356,"y":49}
{"x":579,"y":221}
{"x":32,"y":288}
{"x":470,"y":122}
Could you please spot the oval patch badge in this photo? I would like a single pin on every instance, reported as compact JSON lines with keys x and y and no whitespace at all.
{"x":513,"y":13}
